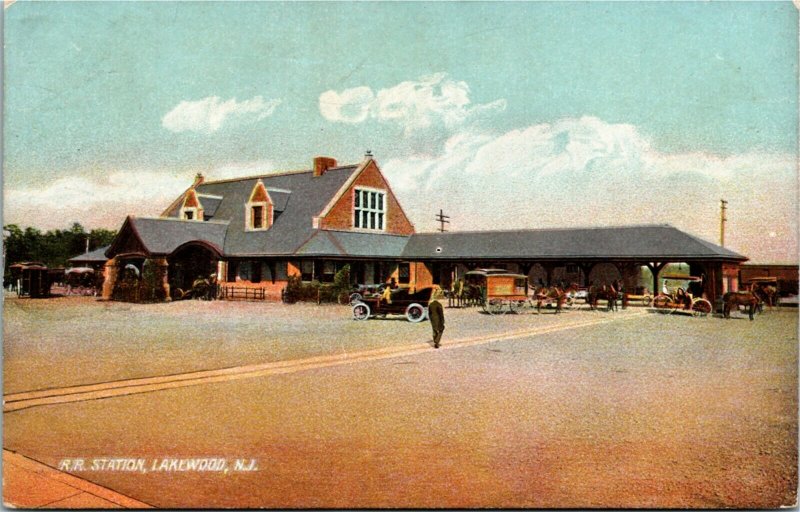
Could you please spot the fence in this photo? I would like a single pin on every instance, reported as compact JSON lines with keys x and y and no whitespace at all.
{"x":242,"y":293}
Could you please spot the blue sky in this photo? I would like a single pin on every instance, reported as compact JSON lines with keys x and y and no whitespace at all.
{"x":103,"y":97}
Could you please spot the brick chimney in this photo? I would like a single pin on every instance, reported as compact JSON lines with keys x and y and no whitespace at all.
{"x":198,"y":179}
{"x":322,"y":164}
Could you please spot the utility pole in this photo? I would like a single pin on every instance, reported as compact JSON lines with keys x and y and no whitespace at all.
{"x":441,"y":218}
{"x":723,"y":205}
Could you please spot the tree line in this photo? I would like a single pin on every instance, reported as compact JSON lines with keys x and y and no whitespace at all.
{"x":52,"y":248}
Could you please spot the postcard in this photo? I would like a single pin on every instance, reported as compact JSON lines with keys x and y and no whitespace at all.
{"x":412,"y":255}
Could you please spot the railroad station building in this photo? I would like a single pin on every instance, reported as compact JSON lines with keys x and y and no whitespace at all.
{"x":253,"y":233}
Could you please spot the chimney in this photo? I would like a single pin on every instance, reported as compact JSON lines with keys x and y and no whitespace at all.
{"x":198,"y":179}
{"x":322,"y":164}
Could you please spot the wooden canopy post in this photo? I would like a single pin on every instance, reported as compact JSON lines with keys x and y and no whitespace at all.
{"x":524,"y":267}
{"x":586,"y":268}
{"x":655,"y":268}
{"x":548,"y":270}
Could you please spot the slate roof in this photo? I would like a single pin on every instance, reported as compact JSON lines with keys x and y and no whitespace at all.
{"x":297,"y":198}
{"x":161,"y":236}
{"x":347,"y":243}
{"x":653,"y":242}
{"x":96,"y":256}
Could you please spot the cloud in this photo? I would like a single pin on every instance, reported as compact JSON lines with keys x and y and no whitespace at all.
{"x":93,"y":202}
{"x":431,"y":102}
{"x":349,"y":106}
{"x":209,"y":114}
{"x":586,"y":172}
{"x":240,"y":169}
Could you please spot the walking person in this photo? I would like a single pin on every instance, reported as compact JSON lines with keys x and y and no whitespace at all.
{"x":436,"y":316}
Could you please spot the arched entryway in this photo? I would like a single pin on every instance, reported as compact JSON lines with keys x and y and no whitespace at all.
{"x":191,"y":261}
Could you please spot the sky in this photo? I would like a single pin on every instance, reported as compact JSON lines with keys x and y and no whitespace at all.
{"x":505,"y":115}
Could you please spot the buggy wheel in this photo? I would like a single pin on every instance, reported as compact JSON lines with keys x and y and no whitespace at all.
{"x":701,"y":307}
{"x":416,"y":313}
{"x":361,"y":311}
{"x":517,"y":306}
{"x":647,"y":300}
{"x":494,"y":307}
{"x":355,"y":298}
{"x":662,"y":304}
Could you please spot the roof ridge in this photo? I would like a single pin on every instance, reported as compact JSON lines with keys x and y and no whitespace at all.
{"x":272,"y":175}
{"x":177,"y":219}
{"x":526,"y":230}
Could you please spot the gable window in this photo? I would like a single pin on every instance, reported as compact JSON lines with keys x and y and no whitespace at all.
{"x":191,"y":208}
{"x":258,"y":210}
{"x":369,"y":209}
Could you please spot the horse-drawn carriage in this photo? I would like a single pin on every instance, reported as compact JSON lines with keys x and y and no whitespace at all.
{"x":401,"y":301}
{"x":504,"y":292}
{"x":681,"y":298}
{"x":31,"y":279}
{"x":81,"y":281}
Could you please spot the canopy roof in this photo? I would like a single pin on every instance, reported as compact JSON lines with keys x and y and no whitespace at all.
{"x":638,"y":243}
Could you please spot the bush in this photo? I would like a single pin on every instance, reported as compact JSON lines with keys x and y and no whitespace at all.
{"x":298,"y":291}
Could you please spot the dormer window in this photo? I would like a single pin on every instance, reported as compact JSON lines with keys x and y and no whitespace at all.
{"x":191,"y":209}
{"x":258,"y":210}
{"x":257,"y":214}
{"x":369,"y":209}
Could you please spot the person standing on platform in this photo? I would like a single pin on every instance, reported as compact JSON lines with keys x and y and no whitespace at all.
{"x":436,"y":317}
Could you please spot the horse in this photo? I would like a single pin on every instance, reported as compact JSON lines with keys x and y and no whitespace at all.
{"x":606,"y":293}
{"x":767,"y":293}
{"x":553,"y":293}
{"x":736,"y":299}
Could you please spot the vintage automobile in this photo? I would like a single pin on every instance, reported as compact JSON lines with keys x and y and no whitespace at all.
{"x":680,"y":299}
{"x":402,"y":302}
{"x":360,"y":291}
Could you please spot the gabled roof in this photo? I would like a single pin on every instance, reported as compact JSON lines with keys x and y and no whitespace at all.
{"x":98,"y":255}
{"x":656,"y":242}
{"x":298,"y":196}
{"x":161,"y":236}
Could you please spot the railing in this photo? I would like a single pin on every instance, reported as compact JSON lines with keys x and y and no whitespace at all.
{"x":242,"y":293}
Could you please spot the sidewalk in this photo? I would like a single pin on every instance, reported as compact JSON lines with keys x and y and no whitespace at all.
{"x":31,"y":484}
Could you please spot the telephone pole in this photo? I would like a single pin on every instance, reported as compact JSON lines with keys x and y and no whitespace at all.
{"x":441,"y":218}
{"x":723,"y":205}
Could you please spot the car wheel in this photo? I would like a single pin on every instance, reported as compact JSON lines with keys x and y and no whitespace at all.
{"x":361,"y":311}
{"x":415,"y":313}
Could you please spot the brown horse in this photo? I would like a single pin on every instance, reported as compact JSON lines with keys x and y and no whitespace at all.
{"x":554,"y":293}
{"x":605,"y":293}
{"x":736,"y":299}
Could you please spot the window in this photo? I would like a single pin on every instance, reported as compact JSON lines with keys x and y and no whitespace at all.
{"x":403,"y":273}
{"x":369,"y":209}
{"x":257,"y":214}
{"x":307,"y":270}
{"x":258,"y":209}
{"x":188,"y":215}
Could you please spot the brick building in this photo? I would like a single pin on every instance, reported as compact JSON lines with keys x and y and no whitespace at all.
{"x":255,"y":232}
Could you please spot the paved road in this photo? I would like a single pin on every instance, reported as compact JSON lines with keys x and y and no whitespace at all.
{"x":653,"y":411}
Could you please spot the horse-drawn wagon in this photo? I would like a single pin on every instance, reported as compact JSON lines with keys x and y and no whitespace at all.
{"x":679,"y":298}
{"x":500,"y":290}
{"x":401,"y":301}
